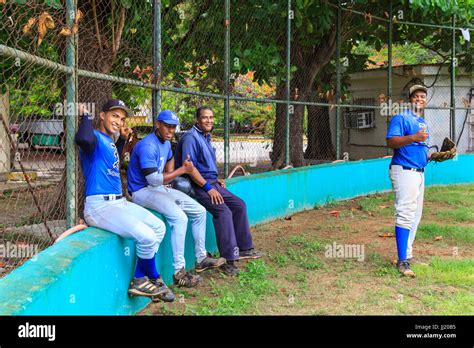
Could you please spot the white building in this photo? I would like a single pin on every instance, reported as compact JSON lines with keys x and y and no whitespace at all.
{"x":363,"y":130}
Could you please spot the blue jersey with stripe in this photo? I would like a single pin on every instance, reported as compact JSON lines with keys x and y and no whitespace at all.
{"x":415,"y":154}
{"x":150,"y":152}
{"x":101,"y":167}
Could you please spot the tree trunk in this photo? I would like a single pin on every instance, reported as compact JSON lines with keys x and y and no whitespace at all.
{"x":320,"y":145}
{"x":92,"y":57}
{"x":296,"y":133}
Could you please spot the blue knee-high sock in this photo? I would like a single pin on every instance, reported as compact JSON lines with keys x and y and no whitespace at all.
{"x":401,"y":235}
{"x":146,"y":267}
{"x":139,"y":273}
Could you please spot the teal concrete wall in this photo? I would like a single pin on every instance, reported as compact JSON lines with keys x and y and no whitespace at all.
{"x":89,"y":272}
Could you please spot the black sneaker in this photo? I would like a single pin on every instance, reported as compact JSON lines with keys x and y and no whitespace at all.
{"x":186,"y":279}
{"x":164,"y":294}
{"x":404,"y":268}
{"x":229,"y":269}
{"x":250,"y":254}
{"x":143,"y":287}
{"x":208,"y":263}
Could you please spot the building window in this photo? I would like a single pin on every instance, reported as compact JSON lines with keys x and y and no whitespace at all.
{"x":360,"y":118}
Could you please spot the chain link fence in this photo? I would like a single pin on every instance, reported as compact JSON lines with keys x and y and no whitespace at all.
{"x":290,"y":82}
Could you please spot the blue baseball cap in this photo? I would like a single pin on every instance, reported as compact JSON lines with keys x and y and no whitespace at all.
{"x":116,"y":104}
{"x":168,"y":117}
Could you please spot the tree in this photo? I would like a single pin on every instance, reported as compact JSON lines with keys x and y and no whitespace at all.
{"x":258,"y":41}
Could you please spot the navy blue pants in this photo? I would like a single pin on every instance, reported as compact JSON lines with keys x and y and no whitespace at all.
{"x":230,"y":221}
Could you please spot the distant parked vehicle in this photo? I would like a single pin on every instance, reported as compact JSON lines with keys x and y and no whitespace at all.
{"x":43,"y":132}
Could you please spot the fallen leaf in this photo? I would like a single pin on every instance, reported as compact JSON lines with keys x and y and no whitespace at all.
{"x":387,"y":235}
{"x":283,"y":290}
{"x":438,"y":238}
{"x":383,"y":206}
{"x":3,"y":2}
{"x":335,"y":213}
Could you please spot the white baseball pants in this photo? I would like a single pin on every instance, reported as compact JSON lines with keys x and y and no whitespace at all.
{"x":409,"y":188}
{"x":128,"y":220}
{"x":177,"y":207}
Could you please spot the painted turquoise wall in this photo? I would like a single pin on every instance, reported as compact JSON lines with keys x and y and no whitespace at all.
{"x":89,"y":272}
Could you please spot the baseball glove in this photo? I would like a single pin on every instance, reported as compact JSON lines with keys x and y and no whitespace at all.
{"x":448,"y":151}
{"x":183,"y":184}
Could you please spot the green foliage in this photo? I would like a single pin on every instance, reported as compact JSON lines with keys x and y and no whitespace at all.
{"x":402,"y":54}
{"x":239,"y":296}
{"x":461,"y":214}
{"x":450,"y":272}
{"x":31,"y":99}
{"x":459,"y":234}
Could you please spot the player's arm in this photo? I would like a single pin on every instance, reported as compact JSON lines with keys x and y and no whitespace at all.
{"x":149,"y":167}
{"x":85,"y":137}
{"x":170,"y":173}
{"x":400,"y":141}
{"x":124,"y":135}
{"x":397,"y":137}
{"x":190,"y":151}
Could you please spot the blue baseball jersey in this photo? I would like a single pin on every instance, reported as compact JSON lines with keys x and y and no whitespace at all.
{"x":101,"y":167}
{"x":149,"y":152}
{"x":414,"y":155}
{"x":199,"y":148}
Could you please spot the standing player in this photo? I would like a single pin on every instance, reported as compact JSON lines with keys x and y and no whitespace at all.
{"x":408,"y":135}
{"x":105,"y":206}
{"x":151,"y":166}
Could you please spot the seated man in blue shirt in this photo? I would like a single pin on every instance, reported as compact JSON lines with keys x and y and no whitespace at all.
{"x":229,"y":211}
{"x":151,"y":167}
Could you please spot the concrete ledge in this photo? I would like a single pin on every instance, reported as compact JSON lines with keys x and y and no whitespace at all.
{"x":88,"y":272}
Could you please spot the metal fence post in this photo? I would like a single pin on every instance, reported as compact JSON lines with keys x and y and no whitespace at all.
{"x":156,"y":93}
{"x":452,"y":123}
{"x":71,"y":98}
{"x":338,"y":81}
{"x":288,"y":76}
{"x":389,"y":66}
{"x":227,"y":89}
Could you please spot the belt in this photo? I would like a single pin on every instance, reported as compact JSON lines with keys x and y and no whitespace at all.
{"x":111,"y":197}
{"x":420,"y":170}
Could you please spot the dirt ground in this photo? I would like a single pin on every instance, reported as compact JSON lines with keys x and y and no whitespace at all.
{"x":298,"y":276}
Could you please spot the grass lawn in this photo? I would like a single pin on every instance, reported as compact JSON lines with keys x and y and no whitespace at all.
{"x":300,"y":276}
